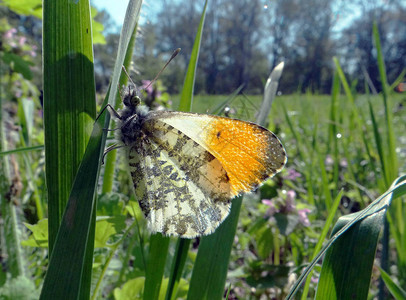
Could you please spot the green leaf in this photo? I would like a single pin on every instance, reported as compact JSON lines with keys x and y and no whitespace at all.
{"x":18,"y":64}
{"x":22,"y":150}
{"x":286,"y":223}
{"x":69,"y":105}
{"x":97,"y":29}
{"x":25,"y":7}
{"x":26,"y":117}
{"x":133,"y":208}
{"x":109,"y":204}
{"x":39,"y":236}
{"x":69,"y":112}
{"x":275,"y":275}
{"x":107,"y":227}
{"x":132,"y":289}
{"x":264,"y":238}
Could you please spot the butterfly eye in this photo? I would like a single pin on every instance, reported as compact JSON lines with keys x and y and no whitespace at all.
{"x":135,"y":100}
{"x":131,"y":98}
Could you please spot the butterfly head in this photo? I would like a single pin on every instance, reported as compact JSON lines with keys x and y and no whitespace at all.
{"x":131,"y":97}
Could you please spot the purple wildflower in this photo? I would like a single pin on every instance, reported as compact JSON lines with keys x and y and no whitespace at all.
{"x":329,"y":160}
{"x":271,"y":207}
{"x":293,"y":174}
{"x":22,"y":40}
{"x":303,"y":216}
{"x":290,"y":201}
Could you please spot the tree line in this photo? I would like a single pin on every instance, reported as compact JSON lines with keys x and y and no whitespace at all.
{"x":244,"y":39}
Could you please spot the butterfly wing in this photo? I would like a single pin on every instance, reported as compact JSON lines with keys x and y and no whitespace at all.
{"x":182,"y":188}
{"x":248,"y":152}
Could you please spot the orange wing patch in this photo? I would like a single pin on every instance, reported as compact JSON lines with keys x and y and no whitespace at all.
{"x":249,"y":153}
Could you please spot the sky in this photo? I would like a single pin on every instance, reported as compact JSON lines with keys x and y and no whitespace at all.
{"x":117,"y":9}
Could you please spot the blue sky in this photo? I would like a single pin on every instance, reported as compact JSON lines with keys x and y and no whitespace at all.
{"x":117,"y":8}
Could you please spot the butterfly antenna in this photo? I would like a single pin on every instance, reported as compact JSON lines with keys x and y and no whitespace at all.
{"x":128,"y":75}
{"x":167,"y":63}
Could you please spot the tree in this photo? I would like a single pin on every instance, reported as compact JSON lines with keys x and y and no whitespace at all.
{"x":358,"y":50}
{"x":301,"y":33}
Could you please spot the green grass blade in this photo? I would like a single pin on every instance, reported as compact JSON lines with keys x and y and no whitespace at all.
{"x":70,"y":278}
{"x":11,"y":244}
{"x":156,"y":265}
{"x":185,"y":104}
{"x":220,"y":107}
{"x":69,"y":112}
{"x":22,"y":150}
{"x":130,"y":22}
{"x":64,"y":276}
{"x":333,"y":130}
{"x":69,"y":104}
{"x":111,"y":158}
{"x":343,"y":274}
{"x":397,"y":292}
{"x":397,"y":190}
{"x":210,"y":269}
{"x":392,"y":167}
{"x":181,"y":252}
{"x":398,"y":80}
{"x":186,"y":98}
{"x":328,"y":201}
{"x":344,"y":82}
{"x":271,"y":87}
{"x":332,"y":211}
{"x":296,"y":135}
{"x":378,"y":142}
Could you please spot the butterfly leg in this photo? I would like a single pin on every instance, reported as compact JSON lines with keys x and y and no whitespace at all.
{"x":110,"y":148}
{"x":112,"y":110}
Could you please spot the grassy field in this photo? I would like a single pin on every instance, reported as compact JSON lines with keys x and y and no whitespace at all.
{"x":279,"y":226}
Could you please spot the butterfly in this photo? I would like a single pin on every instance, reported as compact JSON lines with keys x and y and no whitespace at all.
{"x":187,"y":167}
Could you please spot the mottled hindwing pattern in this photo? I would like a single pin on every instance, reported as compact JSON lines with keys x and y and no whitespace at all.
{"x":182,"y":188}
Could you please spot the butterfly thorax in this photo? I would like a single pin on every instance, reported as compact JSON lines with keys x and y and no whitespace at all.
{"x":132,"y":116}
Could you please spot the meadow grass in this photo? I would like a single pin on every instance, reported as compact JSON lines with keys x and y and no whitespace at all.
{"x":262,"y":246}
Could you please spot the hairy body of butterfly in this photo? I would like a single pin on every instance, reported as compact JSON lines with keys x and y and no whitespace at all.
{"x":187,"y":167}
